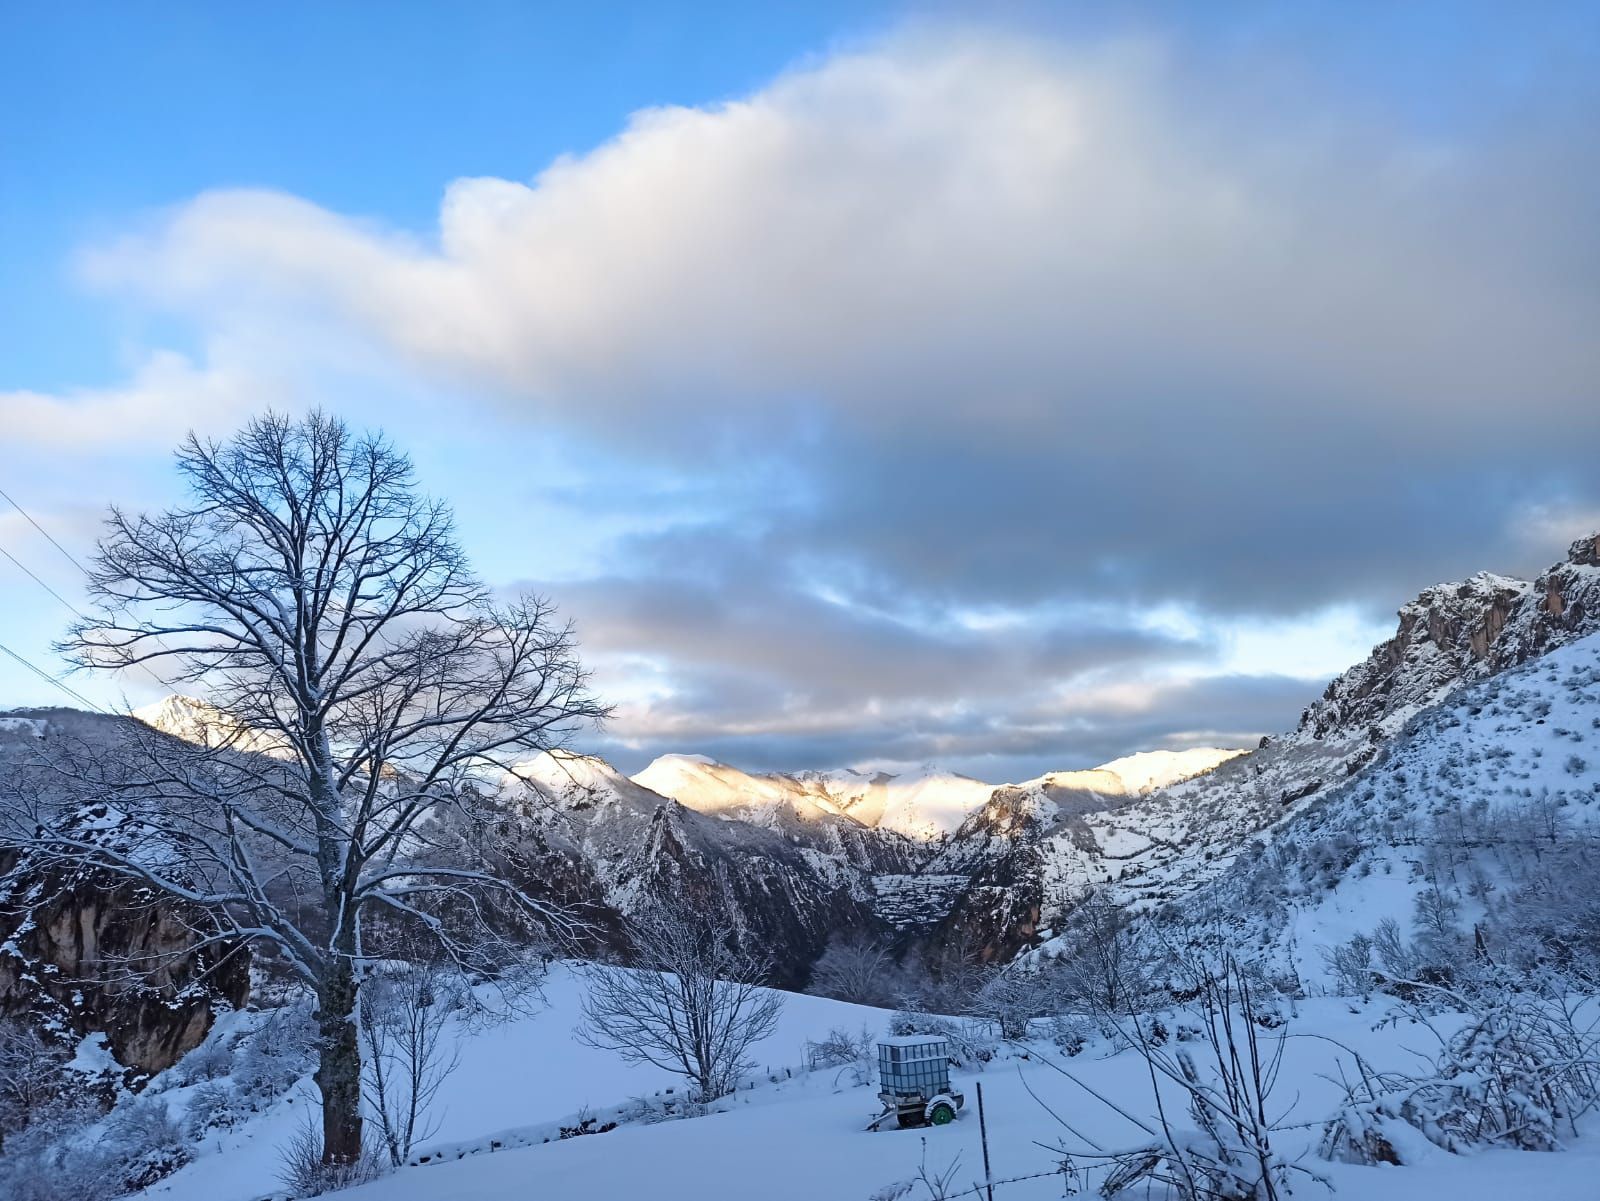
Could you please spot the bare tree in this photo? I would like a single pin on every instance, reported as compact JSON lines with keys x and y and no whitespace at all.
{"x":694,"y":1003}
{"x":1105,"y":965}
{"x":1012,"y":997}
{"x":364,"y":682}
{"x":405,"y":1009}
{"x":31,"y":1071}
{"x":856,"y":967}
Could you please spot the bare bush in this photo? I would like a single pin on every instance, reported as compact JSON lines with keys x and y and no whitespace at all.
{"x":1226,"y":1154}
{"x":147,"y":1140}
{"x":856,"y":968}
{"x":1350,"y":965}
{"x":841,"y":1049}
{"x":694,"y":1003}
{"x":1107,"y":965}
{"x":1011,"y":998}
{"x":304,"y":1172}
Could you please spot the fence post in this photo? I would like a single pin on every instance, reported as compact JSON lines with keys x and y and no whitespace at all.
{"x":983,"y":1135}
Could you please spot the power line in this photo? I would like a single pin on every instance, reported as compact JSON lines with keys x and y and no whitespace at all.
{"x":50,"y":679}
{"x":71,"y":558}
{"x":23,"y":567}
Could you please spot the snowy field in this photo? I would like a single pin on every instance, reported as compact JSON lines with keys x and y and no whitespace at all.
{"x":797,"y":1136}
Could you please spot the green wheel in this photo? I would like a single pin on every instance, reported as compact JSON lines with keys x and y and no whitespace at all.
{"x":942,"y":1113}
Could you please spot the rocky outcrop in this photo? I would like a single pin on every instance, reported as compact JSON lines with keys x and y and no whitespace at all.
{"x":1456,"y":634}
{"x":87,"y":953}
{"x":83,"y":951}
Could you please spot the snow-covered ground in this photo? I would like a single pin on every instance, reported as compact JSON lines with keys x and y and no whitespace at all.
{"x":798,"y":1136}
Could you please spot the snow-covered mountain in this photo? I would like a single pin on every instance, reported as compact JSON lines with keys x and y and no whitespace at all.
{"x":929,"y":852}
{"x":197,"y":721}
{"x":926,"y":803}
{"x":1034,"y":850}
{"x":792,"y":879}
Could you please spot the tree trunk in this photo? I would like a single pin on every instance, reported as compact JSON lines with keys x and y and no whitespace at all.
{"x":338,"y":1074}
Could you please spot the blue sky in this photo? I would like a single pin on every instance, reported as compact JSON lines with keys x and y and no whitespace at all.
{"x":1012,"y":387}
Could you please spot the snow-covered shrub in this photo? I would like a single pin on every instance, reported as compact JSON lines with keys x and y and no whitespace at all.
{"x":1011,"y":999}
{"x":211,"y":1060}
{"x":146,"y":1140}
{"x":1227,"y":1078}
{"x":1518,"y":1074}
{"x":276,"y":1054}
{"x":57,"y":1173}
{"x":1071,"y":1032}
{"x":32,"y":1074}
{"x":1350,"y":965}
{"x":841,"y":1049}
{"x":212,"y":1106}
{"x":49,"y":1161}
{"x":970,"y":1042}
{"x":64,"y":1155}
{"x":664,"y":1106}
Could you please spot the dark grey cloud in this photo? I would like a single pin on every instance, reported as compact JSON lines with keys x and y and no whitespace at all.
{"x":994,"y":742}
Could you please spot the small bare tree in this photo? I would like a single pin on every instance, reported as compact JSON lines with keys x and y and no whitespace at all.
{"x":1106,"y":966}
{"x":31,"y":1070}
{"x":693,"y":1003}
{"x":405,"y":1010}
{"x":364,"y":682}
{"x":1012,"y":998}
{"x":856,"y":967}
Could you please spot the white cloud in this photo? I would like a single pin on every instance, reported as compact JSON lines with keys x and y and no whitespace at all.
{"x":962,"y":225}
{"x":167,"y":396}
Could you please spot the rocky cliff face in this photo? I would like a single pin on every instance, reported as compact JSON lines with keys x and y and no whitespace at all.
{"x":84,"y":953}
{"x":1456,"y":634}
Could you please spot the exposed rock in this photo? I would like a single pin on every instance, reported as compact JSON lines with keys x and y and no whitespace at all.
{"x":89,"y":953}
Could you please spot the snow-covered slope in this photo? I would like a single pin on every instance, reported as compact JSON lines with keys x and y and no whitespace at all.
{"x":1156,"y":769}
{"x":1491,"y":800}
{"x":197,"y":721}
{"x":794,"y":1135}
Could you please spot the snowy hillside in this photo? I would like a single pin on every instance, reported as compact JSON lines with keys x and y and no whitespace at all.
{"x":1034,"y":850}
{"x":1490,"y":803}
{"x":794,"y":1135}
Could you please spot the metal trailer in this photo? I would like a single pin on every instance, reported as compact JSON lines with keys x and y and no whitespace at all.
{"x":914,"y":1081}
